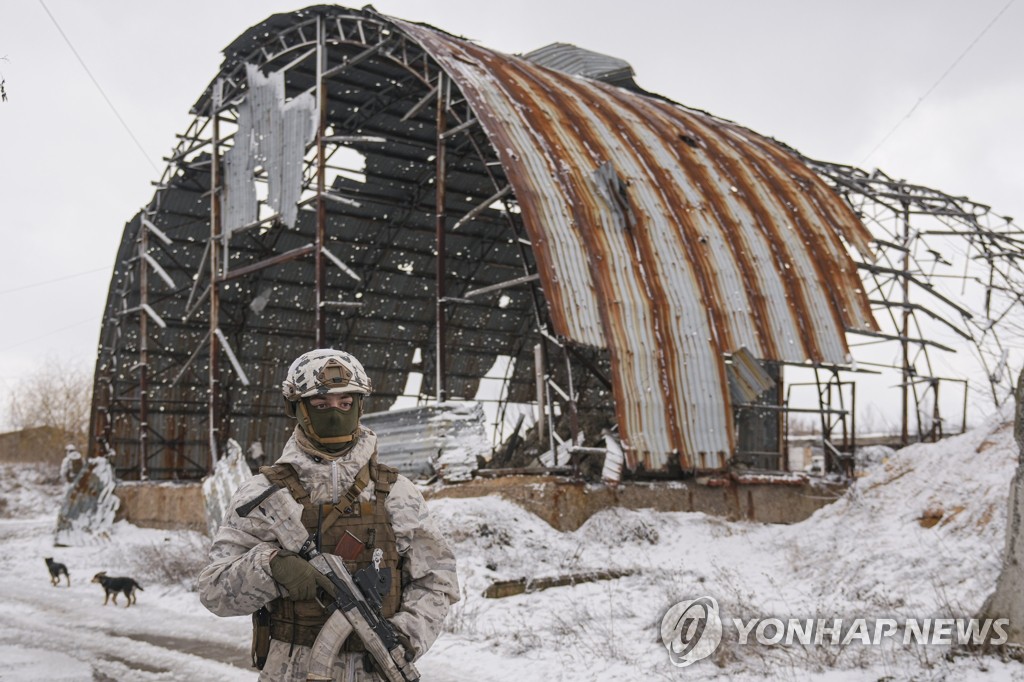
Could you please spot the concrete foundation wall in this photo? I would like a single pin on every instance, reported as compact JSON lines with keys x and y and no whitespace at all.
{"x":164,"y":504}
{"x":566,"y":504}
{"x":563,"y":503}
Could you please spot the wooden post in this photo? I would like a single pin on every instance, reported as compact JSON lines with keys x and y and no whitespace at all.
{"x":143,"y":349}
{"x":1007,"y":601}
{"x":213,"y":414}
{"x":439,"y":208}
{"x":321,"y":207}
{"x":905,"y":333}
{"x":538,"y":370}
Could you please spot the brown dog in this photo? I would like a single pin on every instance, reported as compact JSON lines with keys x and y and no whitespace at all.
{"x":112,"y":585}
{"x":56,"y":570}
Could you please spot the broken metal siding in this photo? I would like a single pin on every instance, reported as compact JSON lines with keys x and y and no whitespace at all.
{"x":272,"y":134}
{"x":669,"y":237}
{"x":239,"y":205}
{"x":579,"y":62}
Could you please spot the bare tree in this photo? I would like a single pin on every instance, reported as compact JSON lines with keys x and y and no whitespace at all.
{"x":50,"y":407}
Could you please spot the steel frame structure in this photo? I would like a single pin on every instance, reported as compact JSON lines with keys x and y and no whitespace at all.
{"x":183,"y":263}
{"x":948,"y":273}
{"x":124,"y":395}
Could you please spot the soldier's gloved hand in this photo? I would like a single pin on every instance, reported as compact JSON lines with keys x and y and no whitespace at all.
{"x":298,"y":577}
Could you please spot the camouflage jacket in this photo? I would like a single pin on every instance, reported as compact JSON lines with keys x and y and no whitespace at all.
{"x":237,"y":582}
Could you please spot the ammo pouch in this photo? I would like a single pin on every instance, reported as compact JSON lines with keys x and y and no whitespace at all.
{"x":260,"y":637}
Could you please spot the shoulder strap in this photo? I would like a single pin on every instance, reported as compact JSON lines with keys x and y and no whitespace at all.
{"x":283,"y":474}
{"x":362,"y":479}
{"x":383,"y":477}
{"x":351,"y":496}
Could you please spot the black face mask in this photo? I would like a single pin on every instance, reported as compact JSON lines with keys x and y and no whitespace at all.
{"x":332,"y":429}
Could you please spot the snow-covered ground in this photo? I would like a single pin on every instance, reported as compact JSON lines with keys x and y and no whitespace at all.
{"x":919,"y":536}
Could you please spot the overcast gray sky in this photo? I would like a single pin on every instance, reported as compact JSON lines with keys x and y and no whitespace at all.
{"x":832,"y":79}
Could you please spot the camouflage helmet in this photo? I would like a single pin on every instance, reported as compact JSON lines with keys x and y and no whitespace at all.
{"x":324,"y":370}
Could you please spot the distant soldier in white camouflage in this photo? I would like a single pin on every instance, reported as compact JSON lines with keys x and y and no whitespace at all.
{"x":360,"y":510}
{"x":70,"y":465}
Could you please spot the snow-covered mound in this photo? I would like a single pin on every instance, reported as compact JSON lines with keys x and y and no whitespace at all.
{"x":921,"y":532}
{"x":29,"y":490}
{"x":920,"y":535}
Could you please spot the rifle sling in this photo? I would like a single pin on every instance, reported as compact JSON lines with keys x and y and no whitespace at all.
{"x":284,"y":474}
{"x":246,"y":509}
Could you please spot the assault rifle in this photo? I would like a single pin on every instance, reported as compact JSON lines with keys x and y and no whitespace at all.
{"x":355,"y":609}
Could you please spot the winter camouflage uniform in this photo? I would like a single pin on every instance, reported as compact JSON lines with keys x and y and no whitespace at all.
{"x":239,"y":581}
{"x":70,"y":465}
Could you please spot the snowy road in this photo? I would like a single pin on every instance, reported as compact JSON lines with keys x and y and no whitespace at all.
{"x":66,"y":633}
{"x":867,"y":555}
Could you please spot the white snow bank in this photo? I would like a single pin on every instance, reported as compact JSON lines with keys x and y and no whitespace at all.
{"x":919,"y":535}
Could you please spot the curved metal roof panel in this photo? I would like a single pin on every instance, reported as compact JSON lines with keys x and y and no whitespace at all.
{"x":669,"y":237}
{"x":664,"y":238}
{"x":577,"y":61}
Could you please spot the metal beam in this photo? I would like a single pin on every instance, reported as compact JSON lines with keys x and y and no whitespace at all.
{"x":483,"y":206}
{"x":502,"y":285}
{"x":267,"y":262}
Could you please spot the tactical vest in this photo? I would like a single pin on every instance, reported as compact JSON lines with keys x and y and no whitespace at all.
{"x":73,"y":467}
{"x":299,"y":622}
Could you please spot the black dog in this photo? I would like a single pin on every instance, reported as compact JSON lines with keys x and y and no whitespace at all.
{"x":56,"y":569}
{"x":111,"y":586}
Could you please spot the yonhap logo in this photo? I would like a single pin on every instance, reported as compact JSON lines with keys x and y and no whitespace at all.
{"x":691,"y":630}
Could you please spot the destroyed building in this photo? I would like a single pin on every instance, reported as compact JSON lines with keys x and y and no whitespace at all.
{"x":641,"y":273}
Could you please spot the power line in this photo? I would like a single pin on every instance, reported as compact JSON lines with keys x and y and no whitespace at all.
{"x":936,"y":83}
{"x":51,"y":281}
{"x":98,"y":87}
{"x":49,"y":333}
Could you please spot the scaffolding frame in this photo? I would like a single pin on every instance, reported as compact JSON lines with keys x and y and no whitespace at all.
{"x":914,"y":227}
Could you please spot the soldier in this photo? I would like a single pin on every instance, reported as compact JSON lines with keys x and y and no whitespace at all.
{"x":71,"y":465}
{"x":329,"y":467}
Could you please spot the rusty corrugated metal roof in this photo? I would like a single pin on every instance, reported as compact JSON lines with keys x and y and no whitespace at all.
{"x":668,"y":236}
{"x":665,"y":238}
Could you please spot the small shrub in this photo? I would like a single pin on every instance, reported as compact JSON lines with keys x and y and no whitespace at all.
{"x":464,"y":615}
{"x":176,"y":561}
